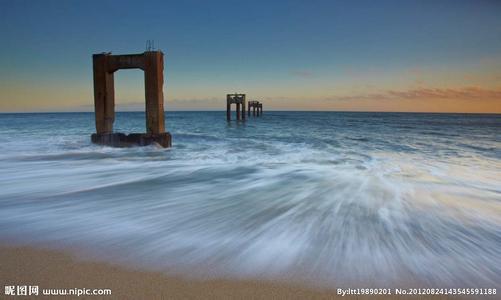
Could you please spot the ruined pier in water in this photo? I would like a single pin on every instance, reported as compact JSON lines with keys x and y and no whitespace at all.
{"x":257,"y":108}
{"x":105,"y":65}
{"x":239,"y":101}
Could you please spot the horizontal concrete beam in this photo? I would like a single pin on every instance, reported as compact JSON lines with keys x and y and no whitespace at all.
{"x":235,"y":98}
{"x":126,"y":61}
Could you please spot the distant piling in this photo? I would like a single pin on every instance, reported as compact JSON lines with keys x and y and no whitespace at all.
{"x":239,"y":101}
{"x":257,"y":108}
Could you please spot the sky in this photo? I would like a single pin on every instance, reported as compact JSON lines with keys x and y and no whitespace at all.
{"x":421,"y":56}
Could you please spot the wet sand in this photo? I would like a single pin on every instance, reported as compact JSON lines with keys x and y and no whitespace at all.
{"x":57,"y":270}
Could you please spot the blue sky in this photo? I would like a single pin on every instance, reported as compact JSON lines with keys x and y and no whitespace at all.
{"x":325,"y":55}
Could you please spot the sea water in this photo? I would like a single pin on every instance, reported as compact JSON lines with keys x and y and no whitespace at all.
{"x":329,"y":198}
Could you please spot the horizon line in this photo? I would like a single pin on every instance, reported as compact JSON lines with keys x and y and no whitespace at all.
{"x":224,"y":111}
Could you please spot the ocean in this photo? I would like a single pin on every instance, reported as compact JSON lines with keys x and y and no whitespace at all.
{"x":327,"y":198}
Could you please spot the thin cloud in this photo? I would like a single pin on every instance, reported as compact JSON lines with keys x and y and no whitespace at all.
{"x":466,"y":93}
{"x":203,"y":101}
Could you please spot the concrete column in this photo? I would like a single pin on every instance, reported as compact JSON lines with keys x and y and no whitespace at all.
{"x":228,"y":111}
{"x":238,"y":111}
{"x":254,"y":110}
{"x":153,"y":84}
{"x":248,"y":109}
{"x":104,"y":94}
{"x":261,"y":109}
{"x":243,"y":109}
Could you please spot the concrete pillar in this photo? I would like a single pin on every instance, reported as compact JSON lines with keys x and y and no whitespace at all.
{"x":238,"y":111}
{"x":243,"y":109}
{"x":261,"y":108}
{"x":248,"y":109}
{"x":228,"y":111}
{"x":254,"y":110}
{"x":153,"y":84}
{"x":104,"y":94}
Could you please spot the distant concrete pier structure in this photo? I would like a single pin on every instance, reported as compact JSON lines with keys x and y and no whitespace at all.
{"x":105,"y":65}
{"x":257,"y":108}
{"x":239,"y":100}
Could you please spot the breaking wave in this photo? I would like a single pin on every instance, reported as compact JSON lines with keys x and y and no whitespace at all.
{"x":372,"y":199}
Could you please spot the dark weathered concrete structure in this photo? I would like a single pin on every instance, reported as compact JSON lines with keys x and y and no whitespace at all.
{"x":257,"y":108}
{"x":239,"y":100}
{"x":152,"y":63}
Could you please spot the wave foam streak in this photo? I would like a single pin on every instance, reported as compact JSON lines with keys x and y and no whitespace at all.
{"x":320,"y":208}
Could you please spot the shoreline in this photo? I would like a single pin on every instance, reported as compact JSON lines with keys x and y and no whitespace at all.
{"x":51,"y":269}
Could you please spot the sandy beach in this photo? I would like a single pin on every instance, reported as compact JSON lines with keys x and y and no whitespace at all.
{"x":50,"y":269}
